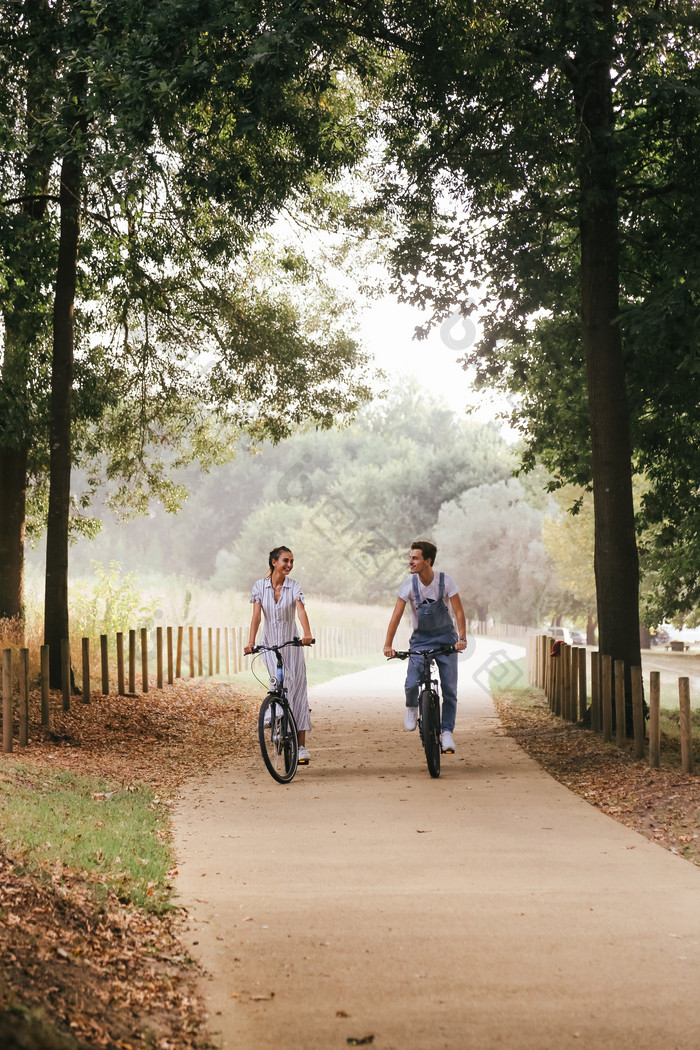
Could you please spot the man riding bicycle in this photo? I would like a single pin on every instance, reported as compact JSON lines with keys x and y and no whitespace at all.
{"x":430,"y":595}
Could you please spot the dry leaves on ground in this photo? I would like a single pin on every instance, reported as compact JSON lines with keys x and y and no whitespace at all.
{"x":107,"y":974}
{"x":663,"y":804}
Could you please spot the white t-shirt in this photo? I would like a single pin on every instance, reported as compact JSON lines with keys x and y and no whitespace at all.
{"x":429,"y":593}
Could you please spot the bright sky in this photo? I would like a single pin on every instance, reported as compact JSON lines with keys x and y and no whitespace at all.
{"x":386,"y":329}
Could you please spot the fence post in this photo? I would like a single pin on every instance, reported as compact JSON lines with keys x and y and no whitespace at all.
{"x":178,"y":658}
{"x":620,"y":720}
{"x":7,"y":712}
{"x":654,"y":720}
{"x":159,"y":656}
{"x":23,"y":697}
{"x":86,"y":671}
{"x":191,"y":650}
{"x":200,"y":658}
{"x":144,"y":659}
{"x":575,"y":657}
{"x":169,"y":647}
{"x":596,"y":705}
{"x":686,"y":725}
{"x":65,"y":673}
{"x":582,"y":698}
{"x":104,"y":660}
{"x":227,"y":654}
{"x":132,"y":661}
{"x":120,"y":663}
{"x":210,"y":651}
{"x":606,"y":695}
{"x":638,"y":712}
{"x":44,"y":660}
{"x":218,"y":650}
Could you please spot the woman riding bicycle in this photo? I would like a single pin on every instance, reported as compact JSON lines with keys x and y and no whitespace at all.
{"x":280,"y":599}
{"x":428,"y":594}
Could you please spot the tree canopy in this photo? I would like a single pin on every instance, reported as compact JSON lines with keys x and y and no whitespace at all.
{"x":143,"y":150}
{"x":541,"y":160}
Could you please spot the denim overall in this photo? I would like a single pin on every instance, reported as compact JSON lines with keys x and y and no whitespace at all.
{"x":434,"y":628}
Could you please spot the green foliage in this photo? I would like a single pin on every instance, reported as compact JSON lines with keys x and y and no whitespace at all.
{"x":348,"y":501}
{"x":490,"y":540}
{"x":487,"y":170}
{"x":569,"y":541}
{"x":192,"y":328}
{"x":113,"y":603}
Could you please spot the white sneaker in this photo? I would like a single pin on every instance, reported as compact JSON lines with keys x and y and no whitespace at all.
{"x":304,"y":756}
{"x":411,"y":720}
{"x":448,"y":744}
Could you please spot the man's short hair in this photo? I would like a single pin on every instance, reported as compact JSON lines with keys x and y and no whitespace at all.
{"x":427,"y":549}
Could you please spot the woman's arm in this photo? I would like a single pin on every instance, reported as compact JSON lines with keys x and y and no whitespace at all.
{"x":307,"y":636}
{"x":254,"y":626}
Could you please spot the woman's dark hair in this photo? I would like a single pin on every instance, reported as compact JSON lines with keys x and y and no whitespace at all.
{"x":274,"y":555}
{"x":427,"y":549}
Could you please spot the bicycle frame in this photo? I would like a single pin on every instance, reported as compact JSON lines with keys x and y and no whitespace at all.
{"x":277,"y":730}
{"x":428,"y":704}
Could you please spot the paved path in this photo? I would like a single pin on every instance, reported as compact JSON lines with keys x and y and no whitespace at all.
{"x":488,"y":909}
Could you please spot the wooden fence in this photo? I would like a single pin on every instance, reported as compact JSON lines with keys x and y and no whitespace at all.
{"x":162,"y":655}
{"x":570,"y":677}
{"x":144,"y":658}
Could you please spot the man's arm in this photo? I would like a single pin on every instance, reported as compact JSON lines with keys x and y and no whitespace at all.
{"x":393,"y":626}
{"x":461,"y":619}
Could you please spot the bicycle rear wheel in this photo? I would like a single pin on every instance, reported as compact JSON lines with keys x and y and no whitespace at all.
{"x":277,"y":733}
{"x":430,"y":717}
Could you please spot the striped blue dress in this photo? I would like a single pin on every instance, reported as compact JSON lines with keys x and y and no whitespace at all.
{"x":279,"y":625}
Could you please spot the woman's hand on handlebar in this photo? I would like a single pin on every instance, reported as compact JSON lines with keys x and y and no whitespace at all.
{"x":308,"y":640}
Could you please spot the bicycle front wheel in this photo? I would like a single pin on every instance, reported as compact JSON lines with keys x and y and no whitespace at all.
{"x":277,"y":733}
{"x":430,"y":717}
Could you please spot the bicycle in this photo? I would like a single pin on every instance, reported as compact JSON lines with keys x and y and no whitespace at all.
{"x":429,"y":717}
{"x":277,"y":730}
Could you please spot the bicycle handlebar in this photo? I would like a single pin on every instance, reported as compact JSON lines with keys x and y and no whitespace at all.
{"x":404,"y":654}
{"x":276,"y":648}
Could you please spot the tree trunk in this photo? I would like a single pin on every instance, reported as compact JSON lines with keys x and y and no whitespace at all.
{"x":13,"y":498}
{"x":22,"y":328}
{"x":56,"y":591}
{"x":616,"y":559}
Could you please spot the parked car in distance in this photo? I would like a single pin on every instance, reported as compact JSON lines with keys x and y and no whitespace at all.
{"x":578,"y":638}
{"x":559,"y":634}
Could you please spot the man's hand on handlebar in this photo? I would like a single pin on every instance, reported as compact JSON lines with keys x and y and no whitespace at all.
{"x":460,"y":646}
{"x":389,"y":652}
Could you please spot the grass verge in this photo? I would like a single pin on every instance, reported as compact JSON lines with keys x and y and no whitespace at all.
{"x":116,"y":835}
